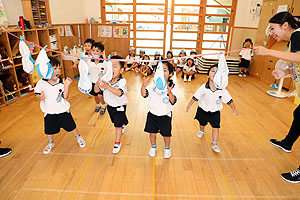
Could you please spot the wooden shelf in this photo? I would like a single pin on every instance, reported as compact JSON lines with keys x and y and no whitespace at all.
{"x":38,"y":36}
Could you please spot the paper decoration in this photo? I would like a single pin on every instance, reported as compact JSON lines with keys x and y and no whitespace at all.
{"x":3,"y":18}
{"x":69,"y":31}
{"x":62,"y":30}
{"x":120,"y":32}
{"x":104,"y":31}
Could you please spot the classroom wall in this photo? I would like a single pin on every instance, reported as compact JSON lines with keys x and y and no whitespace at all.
{"x":13,"y":9}
{"x":94,"y":10}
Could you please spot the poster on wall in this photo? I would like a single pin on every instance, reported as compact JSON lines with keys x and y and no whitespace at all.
{"x":104,"y":31}
{"x":3,"y":18}
{"x":120,"y":32}
{"x":68,"y":31}
{"x":62,"y":30}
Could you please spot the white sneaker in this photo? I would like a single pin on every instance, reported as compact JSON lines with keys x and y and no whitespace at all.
{"x":244,"y":75}
{"x":200,"y":134}
{"x":152,"y":152}
{"x":123,"y":128}
{"x":215,"y":148}
{"x":81,"y":141}
{"x":48,"y":148}
{"x":240,"y":75}
{"x":184,"y":79}
{"x":190,"y":79}
{"x":127,"y":69}
{"x":117,"y":148}
{"x":167,"y":153}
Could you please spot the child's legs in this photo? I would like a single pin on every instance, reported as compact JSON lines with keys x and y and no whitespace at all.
{"x":50,"y":138}
{"x":97,"y":99}
{"x":167,"y":141}
{"x":152,"y":137}
{"x":215,"y":134}
{"x":240,"y":70}
{"x":245,"y":70}
{"x":101,"y":97}
{"x":75,"y":132}
{"x":118,"y":133}
{"x":201,"y":127}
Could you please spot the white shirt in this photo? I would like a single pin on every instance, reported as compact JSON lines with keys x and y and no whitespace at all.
{"x":54,"y":102}
{"x":159,"y":104}
{"x":181,"y":60}
{"x":114,"y":100}
{"x":96,"y":70}
{"x":189,"y":69}
{"x":246,"y":53}
{"x":211,"y":101}
{"x":130,"y":58}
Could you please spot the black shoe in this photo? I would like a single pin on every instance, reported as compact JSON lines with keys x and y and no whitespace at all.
{"x":293,"y":176}
{"x":4,"y":152}
{"x":281,"y":144}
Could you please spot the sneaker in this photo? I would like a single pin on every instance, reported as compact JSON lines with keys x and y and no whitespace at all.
{"x":117,"y":148}
{"x":81,"y":141}
{"x":167,"y":153}
{"x":281,"y":144}
{"x":127,"y":69}
{"x":215,"y":148}
{"x":190,"y":79}
{"x":184,"y":79}
{"x":152,"y":152}
{"x":244,"y":75}
{"x":240,"y":75}
{"x":123,"y":128}
{"x":4,"y":152}
{"x":200,"y":134}
{"x":102,"y":110}
{"x":292,"y":177}
{"x":97,"y":109}
{"x":48,"y":148}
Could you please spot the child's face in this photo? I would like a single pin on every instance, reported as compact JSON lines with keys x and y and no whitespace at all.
{"x":87,"y":47}
{"x":142,"y":54}
{"x":182,"y":54}
{"x":96,"y":51}
{"x":146,"y":58}
{"x":247,"y":44}
{"x":212,"y":73}
{"x":193,"y":53}
{"x":117,"y":70}
{"x":156,"y":57}
{"x":190,"y":62}
{"x":131,"y":52}
{"x":57,"y":72}
{"x":169,"y":55}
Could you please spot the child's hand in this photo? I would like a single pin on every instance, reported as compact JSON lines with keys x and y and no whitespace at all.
{"x":42,"y":96}
{"x":187,"y":109}
{"x":278,"y":74}
{"x":236,"y":112}
{"x":67,"y":81}
{"x":103,"y":84}
{"x":145,"y":81}
{"x":74,"y":66}
{"x":170,"y":88}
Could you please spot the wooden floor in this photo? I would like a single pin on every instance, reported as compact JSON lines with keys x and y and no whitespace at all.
{"x":248,"y":166}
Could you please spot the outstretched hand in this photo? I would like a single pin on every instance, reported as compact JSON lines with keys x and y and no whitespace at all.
{"x":67,"y":81}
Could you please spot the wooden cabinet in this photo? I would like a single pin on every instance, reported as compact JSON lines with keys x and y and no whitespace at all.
{"x":14,"y":69}
{"x":37,"y":11}
{"x":296,"y":8}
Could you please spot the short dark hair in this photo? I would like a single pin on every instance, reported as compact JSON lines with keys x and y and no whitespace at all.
{"x":89,"y":40}
{"x":169,"y":65}
{"x":170,"y":53}
{"x":214,"y":65}
{"x":282,"y":17}
{"x":54,"y":61}
{"x":98,"y":45}
{"x":191,"y":60}
{"x":119,"y":57}
{"x":248,"y":40}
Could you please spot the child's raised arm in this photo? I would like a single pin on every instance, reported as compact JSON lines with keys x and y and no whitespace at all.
{"x":67,"y":84}
{"x":40,"y":96}
{"x":190,"y":105}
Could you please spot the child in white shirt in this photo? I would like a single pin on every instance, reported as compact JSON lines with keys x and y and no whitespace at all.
{"x":189,"y":70}
{"x":245,"y":57}
{"x":210,"y":103}
{"x":53,"y":94}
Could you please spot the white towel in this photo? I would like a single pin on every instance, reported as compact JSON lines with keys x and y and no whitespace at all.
{"x":43,"y":67}
{"x":159,"y":79}
{"x":84,"y":83}
{"x":221,"y":75}
{"x":108,"y":70}
{"x":27,"y":61}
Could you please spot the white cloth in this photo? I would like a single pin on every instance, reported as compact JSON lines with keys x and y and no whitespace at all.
{"x":96,"y":70}
{"x":246,"y":53}
{"x":181,"y":62}
{"x":159,"y":104}
{"x":27,"y":61}
{"x":84,"y":83}
{"x":211,"y":101}
{"x":221,"y":75}
{"x":159,"y":80}
{"x":43,"y":67}
{"x":108,"y":71}
{"x":54,"y":101}
{"x":114,"y":100}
